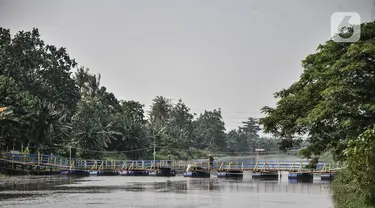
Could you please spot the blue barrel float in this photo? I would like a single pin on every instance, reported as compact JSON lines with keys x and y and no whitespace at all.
{"x":266,"y":175}
{"x":301,"y":176}
{"x":134,"y":172}
{"x":107,"y":173}
{"x":75,"y":173}
{"x":162,"y":171}
{"x":230,"y":174}
{"x":104,"y":173}
{"x":327,"y":176}
{"x":194,"y":171}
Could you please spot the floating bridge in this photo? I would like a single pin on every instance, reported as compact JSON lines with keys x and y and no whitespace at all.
{"x":51,"y":163}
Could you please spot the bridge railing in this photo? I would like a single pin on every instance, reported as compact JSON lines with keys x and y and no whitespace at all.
{"x":77,"y":163}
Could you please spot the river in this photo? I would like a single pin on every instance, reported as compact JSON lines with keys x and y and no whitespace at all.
{"x":128,"y":191}
{"x":132,"y":191}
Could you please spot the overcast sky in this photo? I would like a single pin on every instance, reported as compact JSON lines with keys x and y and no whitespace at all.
{"x":228,"y":54}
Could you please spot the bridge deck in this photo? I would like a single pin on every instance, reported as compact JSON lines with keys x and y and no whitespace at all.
{"x":63,"y":163}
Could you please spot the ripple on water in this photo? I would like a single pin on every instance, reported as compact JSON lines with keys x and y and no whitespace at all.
{"x":121,"y":191}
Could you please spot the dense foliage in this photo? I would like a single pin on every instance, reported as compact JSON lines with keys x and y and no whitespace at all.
{"x":58,"y":105}
{"x":333,"y":105}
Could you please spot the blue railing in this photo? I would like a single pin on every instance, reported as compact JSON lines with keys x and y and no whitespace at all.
{"x":78,"y":163}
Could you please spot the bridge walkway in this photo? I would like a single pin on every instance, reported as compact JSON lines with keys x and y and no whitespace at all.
{"x":58,"y":163}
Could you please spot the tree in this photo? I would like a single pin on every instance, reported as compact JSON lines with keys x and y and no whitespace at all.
{"x":13,"y":126}
{"x":159,"y":116}
{"x":237,"y":142}
{"x":353,"y":187}
{"x":131,"y":124}
{"x":332,"y":104}
{"x":160,"y":110}
{"x":250,"y":131}
{"x":246,"y":138}
{"x":42,"y":76}
{"x":251,"y":127}
{"x":53,"y":109}
{"x":133,"y":110}
{"x":333,"y":100}
{"x":210,"y":131}
{"x":92,"y":128}
{"x":180,"y":126}
{"x":89,"y":85}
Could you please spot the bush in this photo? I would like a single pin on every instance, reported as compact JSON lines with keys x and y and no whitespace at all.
{"x":347,"y":193}
{"x":354,"y":187}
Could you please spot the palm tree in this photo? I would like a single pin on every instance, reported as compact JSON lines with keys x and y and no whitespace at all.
{"x":160,"y":110}
{"x":93,"y":127}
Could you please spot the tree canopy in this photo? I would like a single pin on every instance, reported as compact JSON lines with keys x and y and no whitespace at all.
{"x":333,"y":106}
{"x":58,"y":105}
{"x":333,"y":100}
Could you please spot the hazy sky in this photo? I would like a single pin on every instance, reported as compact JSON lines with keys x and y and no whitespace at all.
{"x":232,"y":54}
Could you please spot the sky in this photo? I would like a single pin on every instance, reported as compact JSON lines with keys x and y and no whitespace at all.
{"x":228,"y":54}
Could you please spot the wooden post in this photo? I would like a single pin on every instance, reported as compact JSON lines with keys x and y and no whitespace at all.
{"x":123,"y":165}
{"x":38,"y":158}
{"x":292,"y":168}
{"x":256,"y":166}
{"x":70,"y":158}
{"x":154,"y":150}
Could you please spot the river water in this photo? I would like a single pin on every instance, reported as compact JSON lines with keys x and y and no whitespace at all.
{"x":132,"y":191}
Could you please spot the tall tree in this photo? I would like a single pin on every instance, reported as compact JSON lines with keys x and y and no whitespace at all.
{"x":158,"y":118}
{"x":160,"y":110}
{"x":251,"y":127}
{"x":333,"y":104}
{"x":93,"y":128}
{"x":130,"y":122}
{"x":43,"y":72}
{"x":333,"y":100}
{"x":210,"y":131}
{"x":180,"y":126}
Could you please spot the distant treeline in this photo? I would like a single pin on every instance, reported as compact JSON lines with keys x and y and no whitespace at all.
{"x":54,"y":109}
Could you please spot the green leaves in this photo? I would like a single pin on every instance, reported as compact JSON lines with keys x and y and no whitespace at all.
{"x":37,"y":86}
{"x":358,"y":178}
{"x":53,"y":109}
{"x":332,"y":100}
{"x":333,"y":104}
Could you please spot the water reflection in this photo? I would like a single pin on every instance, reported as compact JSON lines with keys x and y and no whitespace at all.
{"x":90,"y":188}
{"x":29,"y":186}
{"x":175,"y":185}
